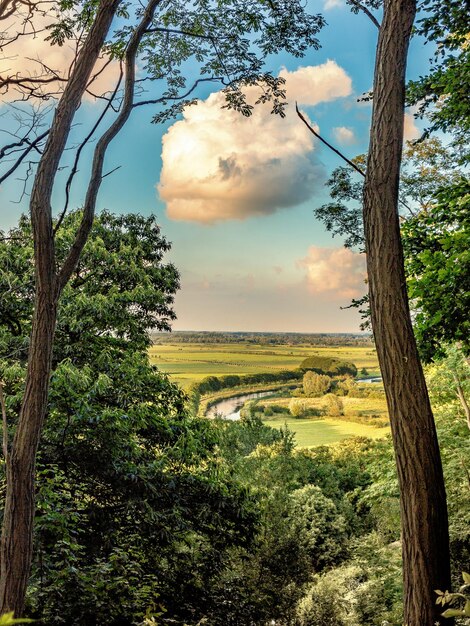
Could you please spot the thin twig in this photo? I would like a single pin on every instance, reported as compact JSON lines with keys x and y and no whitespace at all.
{"x":79,"y":151}
{"x":340,"y":154}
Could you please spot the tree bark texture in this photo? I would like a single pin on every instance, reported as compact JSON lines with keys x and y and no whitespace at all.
{"x":424,"y":520}
{"x":17,"y":531}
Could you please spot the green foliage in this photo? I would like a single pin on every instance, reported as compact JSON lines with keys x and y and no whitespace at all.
{"x":462,"y":598}
{"x":329,"y":366}
{"x":315,"y":385}
{"x":437,"y":244}
{"x":364,"y":592}
{"x":133,"y":509}
{"x":8,"y":619}
{"x":442,"y":95}
{"x":212,"y":384}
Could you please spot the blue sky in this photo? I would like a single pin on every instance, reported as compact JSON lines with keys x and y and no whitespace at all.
{"x":245,"y":266}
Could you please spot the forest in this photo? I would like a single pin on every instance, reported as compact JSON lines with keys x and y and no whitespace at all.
{"x":338,"y":493}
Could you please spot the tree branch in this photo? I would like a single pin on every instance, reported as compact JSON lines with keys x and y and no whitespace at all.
{"x":102,"y":146}
{"x":32,"y":146}
{"x":340,"y":154}
{"x":183,"y":96}
{"x":365,"y":10}
{"x":79,"y":151}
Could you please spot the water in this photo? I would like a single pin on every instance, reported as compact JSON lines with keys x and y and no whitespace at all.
{"x":229,"y":408}
{"x":375,"y":379}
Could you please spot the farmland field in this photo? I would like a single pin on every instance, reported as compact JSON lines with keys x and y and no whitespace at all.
{"x":310,"y":432}
{"x":190,"y":362}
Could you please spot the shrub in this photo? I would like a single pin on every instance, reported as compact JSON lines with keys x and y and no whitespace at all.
{"x":298,"y":407}
{"x":328,"y":365}
{"x":315,"y":385}
{"x":333,"y":405}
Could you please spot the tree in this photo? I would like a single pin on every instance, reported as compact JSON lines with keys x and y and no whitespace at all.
{"x":449,"y":380}
{"x":116,"y":428}
{"x":334,"y":406}
{"x":434,"y":231}
{"x":163,"y":36}
{"x":437,"y":263}
{"x":425,"y":539}
{"x":315,"y":384}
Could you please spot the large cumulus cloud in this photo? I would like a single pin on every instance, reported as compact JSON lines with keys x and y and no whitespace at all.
{"x":218,"y":165}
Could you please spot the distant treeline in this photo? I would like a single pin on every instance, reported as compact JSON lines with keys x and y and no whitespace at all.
{"x":317,"y":339}
{"x":211,"y":384}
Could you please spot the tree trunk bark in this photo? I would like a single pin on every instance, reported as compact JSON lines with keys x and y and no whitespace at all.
{"x":426,"y":561}
{"x":17,"y":531}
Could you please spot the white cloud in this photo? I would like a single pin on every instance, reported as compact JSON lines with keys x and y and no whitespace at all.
{"x":411,"y":131}
{"x":337,"y":273}
{"x":313,"y":84}
{"x":218,"y":165}
{"x":332,"y":4}
{"x":344,"y":135}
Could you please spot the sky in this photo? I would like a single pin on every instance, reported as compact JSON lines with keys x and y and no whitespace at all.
{"x":236,"y":195}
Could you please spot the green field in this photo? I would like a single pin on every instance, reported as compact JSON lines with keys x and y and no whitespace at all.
{"x":310,"y":433}
{"x":190,"y":362}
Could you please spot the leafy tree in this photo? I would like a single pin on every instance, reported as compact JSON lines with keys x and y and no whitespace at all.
{"x":315,"y":385}
{"x":441,"y":95}
{"x":424,"y":520}
{"x":437,"y":261}
{"x":132,"y":505}
{"x":449,"y":381}
{"x":298,"y":407}
{"x":228,"y":43}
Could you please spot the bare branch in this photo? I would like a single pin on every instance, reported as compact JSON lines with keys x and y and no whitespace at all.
{"x":32,"y":146}
{"x":183,"y":96}
{"x":340,"y":154}
{"x":79,"y":151}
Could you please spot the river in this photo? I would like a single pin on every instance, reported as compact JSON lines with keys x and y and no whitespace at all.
{"x":229,"y":408}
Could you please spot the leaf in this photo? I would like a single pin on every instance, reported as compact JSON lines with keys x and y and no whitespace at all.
{"x":8,"y":619}
{"x":453,"y":613}
{"x":466,"y":578}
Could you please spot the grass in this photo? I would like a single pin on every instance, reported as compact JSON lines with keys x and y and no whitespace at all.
{"x":352,"y":406}
{"x":190,"y":362}
{"x":310,"y":433}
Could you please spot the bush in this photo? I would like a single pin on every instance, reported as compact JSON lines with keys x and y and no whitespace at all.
{"x":298,"y":407}
{"x":328,"y":365}
{"x":315,"y":385}
{"x":334,"y":406}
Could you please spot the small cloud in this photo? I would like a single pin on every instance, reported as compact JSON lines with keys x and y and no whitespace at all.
{"x":277,"y":269}
{"x":332,"y":4}
{"x":218,"y":165}
{"x":344,"y":135}
{"x":410,"y":131}
{"x":337,"y":273}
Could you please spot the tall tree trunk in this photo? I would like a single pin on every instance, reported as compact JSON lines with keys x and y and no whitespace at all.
{"x":422,"y":493}
{"x":17,"y":531}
